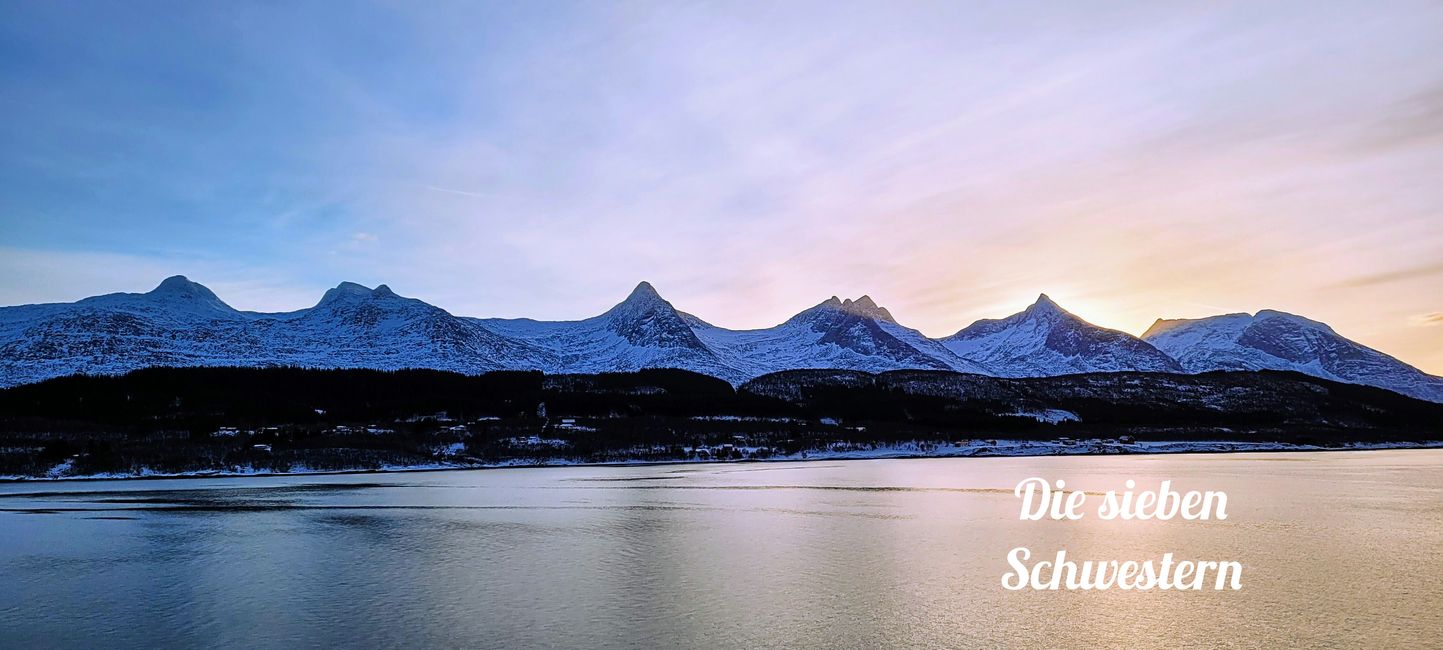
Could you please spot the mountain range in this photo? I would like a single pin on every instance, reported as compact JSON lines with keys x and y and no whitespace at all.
{"x":182,"y":323}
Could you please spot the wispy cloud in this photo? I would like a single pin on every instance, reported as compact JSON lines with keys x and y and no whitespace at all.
{"x":479,"y":195}
{"x":1387,"y":277}
{"x":1132,"y":160}
{"x":1429,"y":320}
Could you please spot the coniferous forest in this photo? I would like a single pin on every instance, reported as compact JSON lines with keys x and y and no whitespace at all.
{"x":176,"y":420}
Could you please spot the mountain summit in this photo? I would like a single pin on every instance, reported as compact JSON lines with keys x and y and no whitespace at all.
{"x":182,"y":323}
{"x":864,"y":307}
{"x":643,"y":292}
{"x":181,"y":286}
{"x":1275,"y":340}
{"x":642,"y":331}
{"x":647,"y":319}
{"x":1045,"y":339}
{"x":834,"y":334}
{"x":174,"y":296}
{"x":642,"y":301}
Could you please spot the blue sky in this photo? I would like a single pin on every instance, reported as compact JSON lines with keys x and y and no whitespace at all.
{"x":749,"y":159}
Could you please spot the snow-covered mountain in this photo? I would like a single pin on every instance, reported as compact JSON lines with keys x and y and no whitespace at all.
{"x":178,"y":323}
{"x":646,"y":331}
{"x":1045,"y":340}
{"x":357,"y":327}
{"x":1280,"y":341}
{"x":181,"y":323}
{"x":836,"y":334}
{"x":643,"y":331}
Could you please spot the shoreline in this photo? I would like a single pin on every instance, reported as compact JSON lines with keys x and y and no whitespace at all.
{"x":1002,"y":449}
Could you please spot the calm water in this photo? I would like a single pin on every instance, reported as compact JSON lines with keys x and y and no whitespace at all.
{"x":1338,"y":549}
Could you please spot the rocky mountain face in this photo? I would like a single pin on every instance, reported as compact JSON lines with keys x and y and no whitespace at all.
{"x":181,"y":323}
{"x":1045,"y":340}
{"x":1275,"y":340}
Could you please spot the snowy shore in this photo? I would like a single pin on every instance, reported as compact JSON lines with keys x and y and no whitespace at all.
{"x":839,"y":451}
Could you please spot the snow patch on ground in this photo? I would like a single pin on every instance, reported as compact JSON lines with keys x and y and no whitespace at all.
{"x":1049,"y":416}
{"x":834,"y":451}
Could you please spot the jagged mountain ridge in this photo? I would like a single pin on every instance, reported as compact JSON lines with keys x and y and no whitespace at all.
{"x":1275,"y":340}
{"x":182,"y":323}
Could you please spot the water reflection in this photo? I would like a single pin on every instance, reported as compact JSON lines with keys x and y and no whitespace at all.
{"x":1338,"y":549}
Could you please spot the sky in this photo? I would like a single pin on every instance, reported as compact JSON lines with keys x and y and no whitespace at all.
{"x":749,"y":159}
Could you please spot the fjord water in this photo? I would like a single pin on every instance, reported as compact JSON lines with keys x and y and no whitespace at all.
{"x":1338,"y":549}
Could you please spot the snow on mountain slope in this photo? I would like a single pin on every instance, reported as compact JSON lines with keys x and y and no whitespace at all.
{"x":1280,"y":341}
{"x":176,"y":296}
{"x":356,"y":327}
{"x":836,"y":334}
{"x":643,"y":331}
{"x":178,"y":323}
{"x":1046,"y":339}
{"x":182,"y":323}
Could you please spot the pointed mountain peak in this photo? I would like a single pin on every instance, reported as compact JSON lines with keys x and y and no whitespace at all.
{"x":646,"y":319}
{"x":641,"y":300}
{"x":1044,"y":340}
{"x":867,"y":308}
{"x":1044,"y":312}
{"x":1045,"y":302}
{"x":644,"y":296}
{"x":1046,"y":307}
{"x":383,"y":291}
{"x":643,"y":291}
